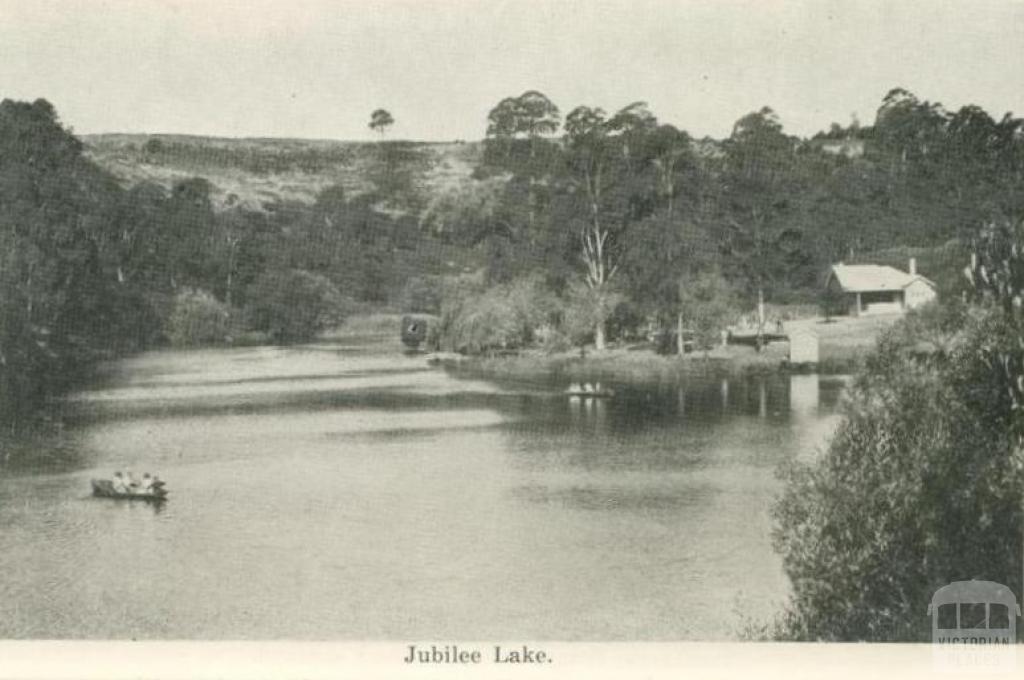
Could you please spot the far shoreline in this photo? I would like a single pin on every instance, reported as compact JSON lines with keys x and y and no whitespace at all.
{"x":845,"y":344}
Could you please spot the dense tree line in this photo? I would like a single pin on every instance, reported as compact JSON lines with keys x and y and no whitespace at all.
{"x":58,"y":282}
{"x":623,"y":214}
{"x":601,"y":223}
{"x":93,"y":269}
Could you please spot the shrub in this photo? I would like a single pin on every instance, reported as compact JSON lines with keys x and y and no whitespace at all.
{"x":551,"y":339}
{"x":153,"y":146}
{"x":707,"y":303}
{"x":422,"y":294}
{"x":584,"y":309}
{"x":293,"y":306}
{"x":919,"y":487}
{"x":197,"y":318}
{"x":831,"y":302}
{"x":502,"y":317}
{"x":434,"y":337}
{"x":627,"y":322}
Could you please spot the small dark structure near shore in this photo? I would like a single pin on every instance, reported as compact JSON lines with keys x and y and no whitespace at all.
{"x":414,"y":331}
{"x":753,"y":338}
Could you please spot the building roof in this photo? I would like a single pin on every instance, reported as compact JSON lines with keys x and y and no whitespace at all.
{"x":862,"y":278}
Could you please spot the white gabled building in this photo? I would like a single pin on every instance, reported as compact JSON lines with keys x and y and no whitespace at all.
{"x":878,"y":289}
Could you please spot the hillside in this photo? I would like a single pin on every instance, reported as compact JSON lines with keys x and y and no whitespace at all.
{"x":258,"y":172}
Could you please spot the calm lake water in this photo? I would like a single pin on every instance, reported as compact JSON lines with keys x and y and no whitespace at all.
{"x":352,"y":492}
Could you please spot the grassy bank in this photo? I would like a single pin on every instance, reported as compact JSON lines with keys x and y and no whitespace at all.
{"x":843,"y":346}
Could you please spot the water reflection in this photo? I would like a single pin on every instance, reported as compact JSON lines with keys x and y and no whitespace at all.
{"x":131,"y":505}
{"x":803,"y":395}
{"x":614,"y":498}
{"x":701,"y":399}
{"x":363,"y":495}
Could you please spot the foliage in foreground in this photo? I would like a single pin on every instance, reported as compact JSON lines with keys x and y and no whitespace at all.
{"x":919,"y":487}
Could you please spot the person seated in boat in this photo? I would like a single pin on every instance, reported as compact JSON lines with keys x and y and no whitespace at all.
{"x":574,"y":387}
{"x":146,"y":485}
{"x":587,"y":387}
{"x":119,"y":483}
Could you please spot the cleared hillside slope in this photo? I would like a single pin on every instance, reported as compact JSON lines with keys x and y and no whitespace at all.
{"x":260,"y":172}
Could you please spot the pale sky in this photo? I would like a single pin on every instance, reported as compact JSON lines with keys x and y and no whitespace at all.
{"x":317,"y":68}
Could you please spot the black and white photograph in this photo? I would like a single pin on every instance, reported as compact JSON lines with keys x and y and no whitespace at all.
{"x":481,"y":332}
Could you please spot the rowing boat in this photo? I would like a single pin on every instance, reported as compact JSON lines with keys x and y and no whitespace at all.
{"x":105,"y":489}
